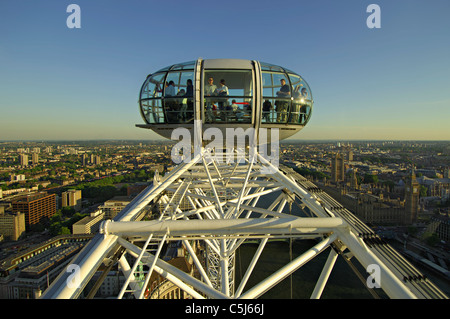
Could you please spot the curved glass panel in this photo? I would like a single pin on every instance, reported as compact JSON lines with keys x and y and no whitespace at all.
{"x":228,"y":96}
{"x":301,"y":102}
{"x":270,"y":67}
{"x":276,"y":97}
{"x":178,"y":97}
{"x":183,"y":66}
{"x":150,"y":99}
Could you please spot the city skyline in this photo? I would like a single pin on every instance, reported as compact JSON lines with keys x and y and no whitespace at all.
{"x":390,"y":83}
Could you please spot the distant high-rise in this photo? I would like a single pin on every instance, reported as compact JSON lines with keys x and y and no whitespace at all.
{"x":71,"y":198}
{"x":23,"y":159}
{"x":411,"y":199}
{"x":12,"y":225}
{"x":85,"y":159}
{"x":35,"y":158}
{"x":337,"y":168}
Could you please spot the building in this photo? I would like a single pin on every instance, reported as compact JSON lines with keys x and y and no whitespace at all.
{"x":350,"y":155}
{"x":441,"y":226}
{"x":85,"y":159}
{"x":12,"y":225}
{"x":17,"y":178}
{"x":354,"y":180}
{"x":71,"y":198}
{"x":160,"y":288}
{"x":89,"y":224}
{"x":438,"y":187}
{"x":35,"y":206}
{"x":337,"y":168}
{"x":113,"y":206}
{"x":371,"y":208}
{"x":23,"y":159}
{"x":378,"y":210}
{"x":447,"y":172}
{"x":26,"y":274}
{"x":35,"y":158}
{"x":412,"y":191}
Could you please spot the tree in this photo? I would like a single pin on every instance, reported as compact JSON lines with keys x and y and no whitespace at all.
{"x":423,"y":191}
{"x":64,"y":231}
{"x":67,"y":211}
{"x":431,"y":239}
{"x":370,"y":179}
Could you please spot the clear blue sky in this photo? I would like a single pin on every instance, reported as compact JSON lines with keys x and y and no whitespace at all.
{"x":61,"y":83}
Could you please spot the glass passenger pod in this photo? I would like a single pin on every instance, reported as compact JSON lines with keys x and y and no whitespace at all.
{"x":228,"y":89}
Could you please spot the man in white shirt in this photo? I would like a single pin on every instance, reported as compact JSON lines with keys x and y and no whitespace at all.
{"x":222,"y":90}
{"x":170,"y":90}
{"x":210,"y":88}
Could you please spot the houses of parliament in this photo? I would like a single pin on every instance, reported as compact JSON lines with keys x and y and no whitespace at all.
{"x":377,"y":204}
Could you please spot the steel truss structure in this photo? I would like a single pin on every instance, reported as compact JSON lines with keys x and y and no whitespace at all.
{"x":216,"y":203}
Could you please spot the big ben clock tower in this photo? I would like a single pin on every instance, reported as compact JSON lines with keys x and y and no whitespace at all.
{"x":411,"y":199}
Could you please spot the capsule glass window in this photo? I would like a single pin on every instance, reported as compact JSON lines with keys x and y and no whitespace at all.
{"x":301,"y":101}
{"x":277,"y":94}
{"x":228,"y":96}
{"x":178,"y":97}
{"x":150,"y":99}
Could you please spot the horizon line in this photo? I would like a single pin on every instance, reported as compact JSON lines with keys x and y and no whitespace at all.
{"x":169,"y":140}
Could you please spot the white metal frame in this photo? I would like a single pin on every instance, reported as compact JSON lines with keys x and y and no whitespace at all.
{"x":223,"y":221}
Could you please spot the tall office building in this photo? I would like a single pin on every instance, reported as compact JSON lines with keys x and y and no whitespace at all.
{"x":412,"y":189}
{"x":12,"y":225}
{"x":85,"y":159}
{"x":23,"y":159}
{"x":71,"y":198}
{"x":35,"y":158}
{"x":337,"y":168}
{"x":350,"y":155}
{"x":35,"y":207}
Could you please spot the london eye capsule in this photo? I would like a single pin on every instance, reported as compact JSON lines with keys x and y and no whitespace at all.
{"x":225,"y":93}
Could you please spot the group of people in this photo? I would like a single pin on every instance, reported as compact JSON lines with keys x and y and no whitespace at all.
{"x":212,"y":90}
{"x":178,"y":105}
{"x":298,"y":112}
{"x":225,"y":111}
{"x":177,"y":109}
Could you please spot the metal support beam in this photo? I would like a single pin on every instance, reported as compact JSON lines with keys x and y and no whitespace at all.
{"x":325,"y":274}
{"x":251,"y":267}
{"x":177,"y":276}
{"x":147,"y":277}
{"x":388,"y":281}
{"x":224,"y":226}
{"x":281,"y":274}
